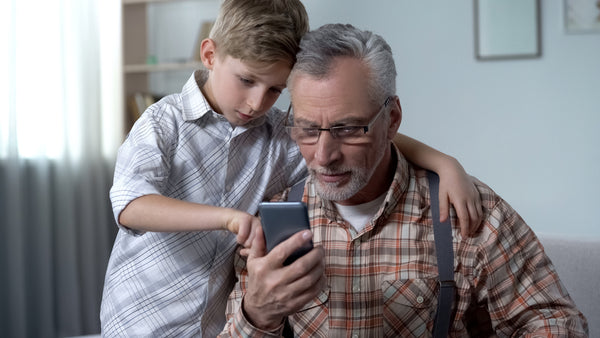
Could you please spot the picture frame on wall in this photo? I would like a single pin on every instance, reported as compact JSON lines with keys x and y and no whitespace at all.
{"x":507,"y":29}
{"x":582,"y":16}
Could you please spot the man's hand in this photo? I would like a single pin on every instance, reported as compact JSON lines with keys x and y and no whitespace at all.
{"x":274,"y":290}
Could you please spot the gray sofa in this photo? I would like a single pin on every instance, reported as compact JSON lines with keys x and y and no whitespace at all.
{"x":577,"y":261}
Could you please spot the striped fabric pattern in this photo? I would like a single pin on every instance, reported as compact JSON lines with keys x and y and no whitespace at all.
{"x":383,"y":280}
{"x":176,"y":284}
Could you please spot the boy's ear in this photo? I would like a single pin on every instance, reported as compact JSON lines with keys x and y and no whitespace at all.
{"x":208,"y":53}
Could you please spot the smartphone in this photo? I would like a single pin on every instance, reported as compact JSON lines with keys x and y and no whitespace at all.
{"x":280,"y":220}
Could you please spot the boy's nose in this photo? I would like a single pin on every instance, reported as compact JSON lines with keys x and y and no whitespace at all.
{"x":256,"y":100}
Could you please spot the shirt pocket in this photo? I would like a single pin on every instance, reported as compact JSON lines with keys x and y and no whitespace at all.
{"x":409,"y":307}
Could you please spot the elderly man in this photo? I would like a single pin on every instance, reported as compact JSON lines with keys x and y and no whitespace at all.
{"x":373,"y":271}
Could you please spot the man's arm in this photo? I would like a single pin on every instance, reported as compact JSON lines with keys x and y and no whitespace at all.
{"x":456,"y":186}
{"x":524,"y":294}
{"x":267,"y":291}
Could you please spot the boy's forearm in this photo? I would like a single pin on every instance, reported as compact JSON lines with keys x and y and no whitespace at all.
{"x":163,"y":214}
{"x":423,"y":155}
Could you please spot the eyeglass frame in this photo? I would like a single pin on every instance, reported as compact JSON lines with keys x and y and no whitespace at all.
{"x":334,"y":134}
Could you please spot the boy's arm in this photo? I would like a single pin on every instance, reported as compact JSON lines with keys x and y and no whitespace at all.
{"x":164,"y":214}
{"x":456,"y":186}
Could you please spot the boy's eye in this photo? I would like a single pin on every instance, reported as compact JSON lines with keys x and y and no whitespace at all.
{"x":276,"y":90}
{"x":246,"y":81}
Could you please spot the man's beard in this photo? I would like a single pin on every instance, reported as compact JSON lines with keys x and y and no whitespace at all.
{"x":332,"y":191}
{"x":359,"y":178}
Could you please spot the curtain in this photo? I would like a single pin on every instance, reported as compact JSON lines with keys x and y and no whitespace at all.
{"x":60,"y":126}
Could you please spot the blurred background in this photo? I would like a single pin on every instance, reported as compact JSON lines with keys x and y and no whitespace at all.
{"x":512,"y":92}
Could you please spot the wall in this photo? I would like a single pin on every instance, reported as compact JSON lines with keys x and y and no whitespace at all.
{"x":528,"y":128}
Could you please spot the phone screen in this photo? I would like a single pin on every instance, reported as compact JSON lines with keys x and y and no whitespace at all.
{"x":280,"y":220}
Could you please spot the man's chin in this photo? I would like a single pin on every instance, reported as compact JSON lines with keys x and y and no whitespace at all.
{"x":334,"y":191}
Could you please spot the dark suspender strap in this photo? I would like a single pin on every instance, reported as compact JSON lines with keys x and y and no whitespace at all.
{"x":442,"y":233}
{"x":288,"y":332}
{"x":295,"y":194}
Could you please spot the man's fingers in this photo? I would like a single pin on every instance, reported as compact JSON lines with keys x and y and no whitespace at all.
{"x":313,"y":287}
{"x":277,"y":290}
{"x":244,"y":252}
{"x":311,"y":263}
{"x":306,"y":277}
{"x":284,"y":249}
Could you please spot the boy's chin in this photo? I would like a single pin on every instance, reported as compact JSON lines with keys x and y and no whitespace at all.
{"x":238,"y":122}
{"x":240,"y":119}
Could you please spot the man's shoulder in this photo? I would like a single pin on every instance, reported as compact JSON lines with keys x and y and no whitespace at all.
{"x":489,"y":197}
{"x":497,"y":213}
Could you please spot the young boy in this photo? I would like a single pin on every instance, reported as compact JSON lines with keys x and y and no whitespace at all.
{"x":203,"y":160}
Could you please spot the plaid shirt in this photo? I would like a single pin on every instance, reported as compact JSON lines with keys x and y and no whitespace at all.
{"x":383,"y":280}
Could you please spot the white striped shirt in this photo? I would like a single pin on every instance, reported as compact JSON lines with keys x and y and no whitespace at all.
{"x":176,"y":284}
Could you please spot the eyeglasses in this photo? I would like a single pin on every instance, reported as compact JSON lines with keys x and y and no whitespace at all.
{"x":345,"y":134}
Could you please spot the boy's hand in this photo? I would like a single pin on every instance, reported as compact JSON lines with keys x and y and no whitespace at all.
{"x":244,"y":225}
{"x":459,"y":190}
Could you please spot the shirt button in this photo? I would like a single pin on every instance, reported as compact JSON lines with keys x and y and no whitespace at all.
{"x":355,"y":288}
{"x":355,"y":335}
{"x":420,"y":299}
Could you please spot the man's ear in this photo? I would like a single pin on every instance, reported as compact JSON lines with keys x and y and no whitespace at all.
{"x":395,"y":117}
{"x":208,"y":53}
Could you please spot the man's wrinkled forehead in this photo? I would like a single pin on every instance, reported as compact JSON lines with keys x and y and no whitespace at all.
{"x":341,"y":94}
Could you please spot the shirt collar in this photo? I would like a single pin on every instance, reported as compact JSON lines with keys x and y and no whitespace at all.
{"x":194,"y":103}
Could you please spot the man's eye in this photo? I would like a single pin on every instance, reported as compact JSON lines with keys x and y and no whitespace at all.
{"x":346,"y":131}
{"x":310,"y":131}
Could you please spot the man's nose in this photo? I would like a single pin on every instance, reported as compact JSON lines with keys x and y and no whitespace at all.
{"x":328,"y":149}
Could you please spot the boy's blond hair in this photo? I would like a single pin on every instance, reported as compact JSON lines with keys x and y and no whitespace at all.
{"x":263,"y":31}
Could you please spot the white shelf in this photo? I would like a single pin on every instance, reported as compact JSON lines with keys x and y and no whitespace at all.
{"x":160,"y":67}
{"x":136,"y":2}
{"x":138,"y":74}
{"x":133,"y":2}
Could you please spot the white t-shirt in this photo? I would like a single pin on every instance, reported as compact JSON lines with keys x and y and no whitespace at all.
{"x":359,"y":215}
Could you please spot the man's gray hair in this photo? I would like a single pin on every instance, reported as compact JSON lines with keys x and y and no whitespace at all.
{"x":320,"y":47}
